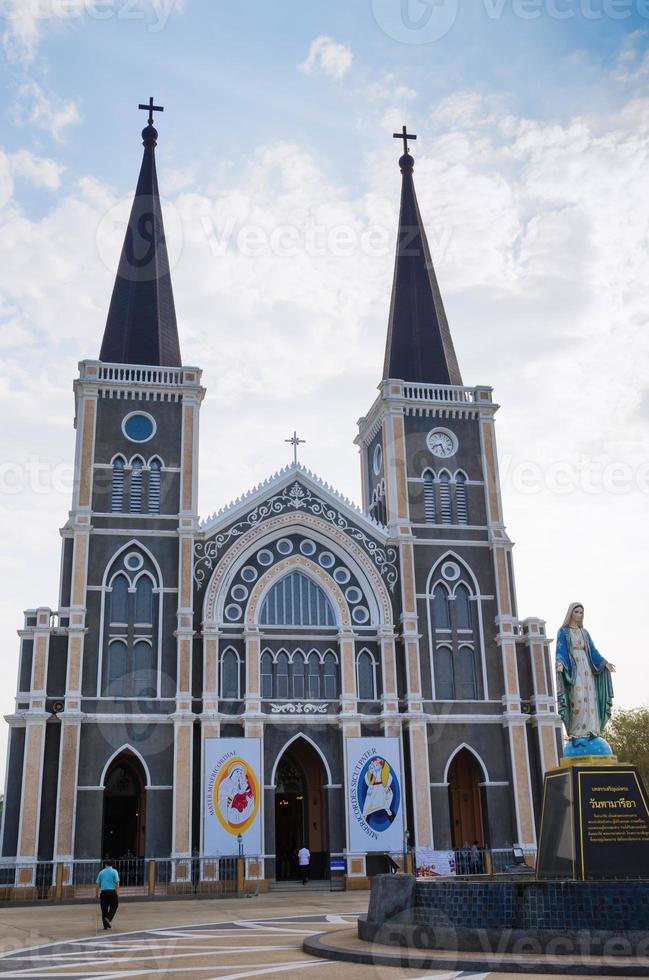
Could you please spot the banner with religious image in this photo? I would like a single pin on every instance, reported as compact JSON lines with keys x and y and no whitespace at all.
{"x":374,"y":794}
{"x":232,"y":782}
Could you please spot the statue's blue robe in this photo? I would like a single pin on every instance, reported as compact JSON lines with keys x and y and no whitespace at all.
{"x":566,"y":678}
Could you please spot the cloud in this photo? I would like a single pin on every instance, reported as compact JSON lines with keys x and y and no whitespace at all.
{"x":39,"y":170}
{"x":47,"y":112}
{"x":327,"y":57}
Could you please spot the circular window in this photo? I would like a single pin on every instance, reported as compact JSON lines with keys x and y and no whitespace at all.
{"x":233,"y":612}
{"x":139,"y":427}
{"x":240,"y":593}
{"x":249,"y":573}
{"x":285,"y":546}
{"x":307,"y":547}
{"x":377,"y":459}
{"x":342,"y":576}
{"x":353,"y":594}
{"x":134,"y":561}
{"x":450,"y":571}
{"x":265,"y":557}
{"x":360,"y":614}
{"x":327,"y":560}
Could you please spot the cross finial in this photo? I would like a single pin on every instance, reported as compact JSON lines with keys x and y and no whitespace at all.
{"x":151,"y":108}
{"x":295,"y":442}
{"x":405,"y":136}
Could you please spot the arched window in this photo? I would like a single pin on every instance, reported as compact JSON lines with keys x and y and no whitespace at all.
{"x":281,"y":675}
{"x":117,"y":486}
{"x":230,"y":675}
{"x":366,"y":676}
{"x":299,"y":670}
{"x":467,"y":686}
{"x":441,"y":615}
{"x":463,"y":608}
{"x":135,"y":490}
{"x":445,"y":498}
{"x":266,"y":675}
{"x":313,"y":675}
{"x":142,"y":686}
{"x":296,"y":601}
{"x":444,"y":674}
{"x":144,"y":601}
{"x":117,"y":668}
{"x":429,"y":497}
{"x":155,"y":475}
{"x":460,"y":499}
{"x":330,"y":676}
{"x":119,"y":601}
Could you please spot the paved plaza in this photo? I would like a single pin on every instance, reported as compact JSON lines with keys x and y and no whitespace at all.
{"x":219,"y":939}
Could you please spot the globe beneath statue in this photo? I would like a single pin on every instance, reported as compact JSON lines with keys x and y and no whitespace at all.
{"x":585,"y":746}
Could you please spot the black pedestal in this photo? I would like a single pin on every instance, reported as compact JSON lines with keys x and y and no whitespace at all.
{"x":594,"y":823}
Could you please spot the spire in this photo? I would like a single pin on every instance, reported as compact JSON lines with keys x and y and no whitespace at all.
{"x":419,"y":346}
{"x":141,"y":326}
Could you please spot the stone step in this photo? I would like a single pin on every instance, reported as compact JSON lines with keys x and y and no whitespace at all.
{"x":297,"y":886}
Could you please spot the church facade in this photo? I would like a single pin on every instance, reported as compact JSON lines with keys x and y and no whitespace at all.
{"x":291,"y":621}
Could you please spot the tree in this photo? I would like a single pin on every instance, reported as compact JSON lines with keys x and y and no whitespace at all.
{"x":628,"y":735}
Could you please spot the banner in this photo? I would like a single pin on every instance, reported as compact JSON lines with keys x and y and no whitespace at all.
{"x":232,"y":792}
{"x":374,"y":794}
{"x":431,"y":864}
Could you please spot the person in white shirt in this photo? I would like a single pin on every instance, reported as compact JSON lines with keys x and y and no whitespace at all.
{"x":304,"y":858}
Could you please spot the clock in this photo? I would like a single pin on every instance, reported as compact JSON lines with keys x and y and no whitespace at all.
{"x":442,"y":443}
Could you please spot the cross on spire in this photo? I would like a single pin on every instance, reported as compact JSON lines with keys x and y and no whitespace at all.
{"x":295,"y":442}
{"x":151,"y":108}
{"x":405,"y":136}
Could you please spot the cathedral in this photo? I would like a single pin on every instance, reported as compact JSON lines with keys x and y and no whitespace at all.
{"x":294,"y":670}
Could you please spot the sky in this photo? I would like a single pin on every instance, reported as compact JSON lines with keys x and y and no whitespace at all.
{"x":280,"y":183}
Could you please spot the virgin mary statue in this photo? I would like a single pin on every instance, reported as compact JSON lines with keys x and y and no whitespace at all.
{"x":584,"y":686}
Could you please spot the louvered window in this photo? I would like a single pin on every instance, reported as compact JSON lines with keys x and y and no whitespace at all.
{"x":155,"y":479}
{"x":135,"y":490}
{"x":296,"y":601}
{"x":445,"y":498}
{"x":460,"y":499}
{"x":429,"y":497}
{"x":117,"y":487}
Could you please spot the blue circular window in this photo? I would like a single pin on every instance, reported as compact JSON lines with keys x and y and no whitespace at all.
{"x":138,"y":427}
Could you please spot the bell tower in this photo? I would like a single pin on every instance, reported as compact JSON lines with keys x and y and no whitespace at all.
{"x":430,"y":474}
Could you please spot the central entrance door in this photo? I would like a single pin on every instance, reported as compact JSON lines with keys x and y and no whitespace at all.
{"x":300,"y":817}
{"x":464,"y":778}
{"x":124,"y":804}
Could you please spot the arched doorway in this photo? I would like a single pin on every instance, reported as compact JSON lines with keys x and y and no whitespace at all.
{"x":300,"y":811}
{"x":124,"y":809}
{"x":465,"y":798}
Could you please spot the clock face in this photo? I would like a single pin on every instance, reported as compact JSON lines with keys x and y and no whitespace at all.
{"x":442,"y":443}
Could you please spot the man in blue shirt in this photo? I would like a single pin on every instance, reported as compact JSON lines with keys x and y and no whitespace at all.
{"x":106,"y":891}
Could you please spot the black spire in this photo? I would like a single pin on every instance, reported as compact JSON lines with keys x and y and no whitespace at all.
{"x":419,"y":347}
{"x":141,"y":326}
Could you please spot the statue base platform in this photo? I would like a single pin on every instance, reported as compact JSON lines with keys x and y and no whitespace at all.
{"x":594,"y":822}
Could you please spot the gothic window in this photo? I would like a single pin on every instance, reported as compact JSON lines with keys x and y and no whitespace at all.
{"x":117,"y":668}
{"x":130,"y":608}
{"x":366,"y":676}
{"x":444,"y":674}
{"x":155,"y":476}
{"x":467,"y":682}
{"x":117,"y":486}
{"x":230,"y":675}
{"x":266,"y":675}
{"x":144,"y":601}
{"x":299,"y":669}
{"x":456,"y":640}
{"x":296,"y":601}
{"x":119,"y":601}
{"x":313,"y":675}
{"x":462,"y":608}
{"x":135,"y":489}
{"x":429,"y":497}
{"x":281,"y":675}
{"x":461,"y":499}
{"x":445,"y":498}
{"x":330,"y":676}
{"x":441,"y":615}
